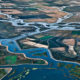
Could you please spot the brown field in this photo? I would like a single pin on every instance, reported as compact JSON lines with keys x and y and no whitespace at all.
{"x":54,"y":33}
{"x":23,"y":0}
{"x":3,"y":16}
{"x":11,"y":11}
{"x":52,"y":12}
{"x":75,"y":18}
{"x":7,"y":4}
{"x":70,"y":2}
{"x":69,"y":42}
{"x":59,"y":48}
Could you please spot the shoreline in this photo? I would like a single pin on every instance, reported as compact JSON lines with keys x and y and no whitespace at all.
{"x":9,"y":70}
{"x":37,"y":32}
{"x":46,"y":62}
{"x":61,"y":60}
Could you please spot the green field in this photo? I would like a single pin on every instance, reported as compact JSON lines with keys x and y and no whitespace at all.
{"x":46,"y":37}
{"x":2,"y":73}
{"x":75,"y":32}
{"x":10,"y":59}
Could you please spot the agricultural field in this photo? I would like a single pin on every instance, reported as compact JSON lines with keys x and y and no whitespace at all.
{"x":8,"y":58}
{"x":7,"y":30}
{"x":61,"y":46}
{"x":4,"y":71}
{"x":33,"y":11}
{"x":39,"y":39}
{"x":75,"y":10}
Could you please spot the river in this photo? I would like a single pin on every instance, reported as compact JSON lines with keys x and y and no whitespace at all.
{"x":41,"y":74}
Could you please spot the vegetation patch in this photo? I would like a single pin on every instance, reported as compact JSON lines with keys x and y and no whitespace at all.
{"x":41,"y":54}
{"x":46,"y":37}
{"x":7,"y":58}
{"x":72,"y":9}
{"x":2,"y":73}
{"x":75,"y":32}
{"x":10,"y":59}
